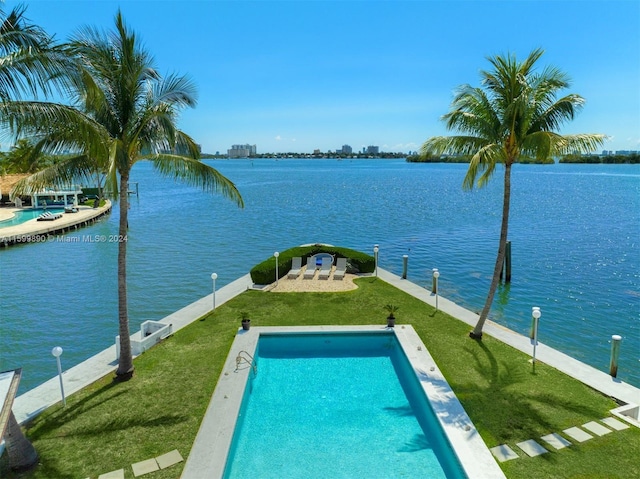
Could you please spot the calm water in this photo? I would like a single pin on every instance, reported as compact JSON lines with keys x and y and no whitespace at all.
{"x":317,"y":399}
{"x":575,"y":232}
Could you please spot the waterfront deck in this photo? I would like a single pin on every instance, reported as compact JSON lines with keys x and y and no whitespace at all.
{"x":34,"y":231}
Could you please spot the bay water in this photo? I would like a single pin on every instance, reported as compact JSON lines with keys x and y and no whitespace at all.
{"x":575,"y":233}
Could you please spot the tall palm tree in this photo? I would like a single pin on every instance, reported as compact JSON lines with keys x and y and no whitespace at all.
{"x":516,"y":112}
{"x":124,"y":111}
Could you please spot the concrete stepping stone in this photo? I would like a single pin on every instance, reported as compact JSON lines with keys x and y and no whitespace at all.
{"x":119,"y":474}
{"x":596,"y":428}
{"x":145,"y":467}
{"x":169,"y":459}
{"x":503,"y":453}
{"x":531,"y":448}
{"x":556,"y":441}
{"x":614,"y":423}
{"x":578,"y":434}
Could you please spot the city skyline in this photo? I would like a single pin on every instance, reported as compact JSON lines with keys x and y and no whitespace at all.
{"x":303,"y":75}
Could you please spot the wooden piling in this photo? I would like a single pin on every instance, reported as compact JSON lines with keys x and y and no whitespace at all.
{"x":505,"y":272}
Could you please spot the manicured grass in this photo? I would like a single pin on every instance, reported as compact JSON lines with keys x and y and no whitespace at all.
{"x":110,"y":426}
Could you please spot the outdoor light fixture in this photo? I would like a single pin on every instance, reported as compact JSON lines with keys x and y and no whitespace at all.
{"x":276,"y":254}
{"x":57,"y":352}
{"x":535,"y":313}
{"x":436,"y":275}
{"x":375,"y":257}
{"x":214,"y":276}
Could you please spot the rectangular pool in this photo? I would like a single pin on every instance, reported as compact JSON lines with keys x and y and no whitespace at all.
{"x":337,"y":405}
{"x":337,"y":402}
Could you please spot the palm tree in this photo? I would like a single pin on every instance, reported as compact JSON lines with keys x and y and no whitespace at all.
{"x":29,"y":61}
{"x":124,"y":112}
{"x":515,"y":112}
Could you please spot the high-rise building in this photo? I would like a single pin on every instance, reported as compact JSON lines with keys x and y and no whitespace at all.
{"x":373,"y":150}
{"x":242,"y":151}
{"x":346,"y":150}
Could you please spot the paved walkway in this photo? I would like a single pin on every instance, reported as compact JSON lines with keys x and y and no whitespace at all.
{"x":35,"y":401}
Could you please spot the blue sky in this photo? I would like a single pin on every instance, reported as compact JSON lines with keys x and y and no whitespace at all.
{"x":301,"y":75}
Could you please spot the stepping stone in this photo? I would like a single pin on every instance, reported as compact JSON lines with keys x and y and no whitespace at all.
{"x":169,"y":459}
{"x":119,"y":474}
{"x":144,"y":467}
{"x":596,"y":428}
{"x":578,"y":434}
{"x":614,"y":423}
{"x":503,"y":453}
{"x":532,"y":448}
{"x":556,"y":440}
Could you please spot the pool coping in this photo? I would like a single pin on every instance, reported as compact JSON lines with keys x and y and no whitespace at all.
{"x":208,"y":456}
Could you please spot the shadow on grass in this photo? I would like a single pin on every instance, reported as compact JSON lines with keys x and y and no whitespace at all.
{"x":122,"y":424}
{"x":64,"y":415}
{"x":64,"y":418}
{"x":503,"y":390}
{"x":43,"y":469}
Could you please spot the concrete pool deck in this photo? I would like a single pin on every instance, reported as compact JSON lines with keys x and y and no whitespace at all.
{"x":31,"y":403}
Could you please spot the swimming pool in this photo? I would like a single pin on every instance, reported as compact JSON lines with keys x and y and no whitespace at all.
{"x":328,"y":405}
{"x":22,"y":216}
{"x":335,"y":402}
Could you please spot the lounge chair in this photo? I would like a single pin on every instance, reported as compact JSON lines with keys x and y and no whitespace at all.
{"x":325,"y":269}
{"x":48,"y":216}
{"x":311,"y":268}
{"x":296,"y":266}
{"x":341,"y":268}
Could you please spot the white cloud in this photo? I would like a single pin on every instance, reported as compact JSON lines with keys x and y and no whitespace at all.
{"x":278,"y":138}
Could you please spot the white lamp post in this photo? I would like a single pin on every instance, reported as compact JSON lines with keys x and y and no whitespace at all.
{"x":533,"y":322}
{"x":276,"y":254}
{"x":536,"y":316}
{"x":436,"y":275}
{"x":57,"y":352}
{"x":214,"y":276}
{"x":375,"y":257}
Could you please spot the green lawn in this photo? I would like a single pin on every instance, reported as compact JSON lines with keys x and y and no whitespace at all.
{"x":111,"y":425}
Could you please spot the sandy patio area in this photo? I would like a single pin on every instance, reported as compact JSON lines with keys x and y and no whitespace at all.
{"x":300,"y":284}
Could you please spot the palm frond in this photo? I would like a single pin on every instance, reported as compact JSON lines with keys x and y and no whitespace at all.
{"x":580,"y":143}
{"x":179,"y":91}
{"x":198,"y":174}
{"x":29,"y":60}
{"x":482,"y":166}
{"x":60,"y":174}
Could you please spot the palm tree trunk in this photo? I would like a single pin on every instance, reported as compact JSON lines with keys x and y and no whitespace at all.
{"x":502,"y":247}
{"x":22,"y":455}
{"x":125,"y":362}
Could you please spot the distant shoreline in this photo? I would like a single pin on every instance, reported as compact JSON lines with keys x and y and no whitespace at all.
{"x":630,"y":159}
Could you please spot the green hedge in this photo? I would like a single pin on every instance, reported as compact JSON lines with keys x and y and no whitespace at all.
{"x":265,"y":272}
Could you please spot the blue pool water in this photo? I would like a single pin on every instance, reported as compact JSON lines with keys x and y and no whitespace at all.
{"x":338,"y":406}
{"x":26,"y":215}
